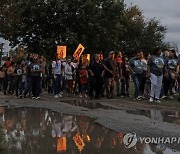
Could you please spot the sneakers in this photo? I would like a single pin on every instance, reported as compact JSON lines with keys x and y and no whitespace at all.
{"x":171,"y":97}
{"x":56,"y":96}
{"x":151,"y":100}
{"x":60,"y":95}
{"x":139,"y":98}
{"x":157,"y":101}
{"x":38,"y":97}
{"x":163,"y":97}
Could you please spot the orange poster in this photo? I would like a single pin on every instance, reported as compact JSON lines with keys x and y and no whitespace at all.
{"x":61,"y":51}
{"x":78,"y":51}
{"x":61,"y":144}
{"x":79,"y":141}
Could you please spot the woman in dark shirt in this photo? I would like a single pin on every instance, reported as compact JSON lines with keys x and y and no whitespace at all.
{"x":155,"y":71}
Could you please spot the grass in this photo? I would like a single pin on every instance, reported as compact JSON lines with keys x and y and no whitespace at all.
{"x":165,"y":102}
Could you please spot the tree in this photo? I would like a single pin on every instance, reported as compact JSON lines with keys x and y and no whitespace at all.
{"x":100,"y":25}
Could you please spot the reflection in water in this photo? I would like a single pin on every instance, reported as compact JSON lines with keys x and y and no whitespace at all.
{"x":159,"y":115}
{"x":87,"y":104}
{"x":42,"y":131}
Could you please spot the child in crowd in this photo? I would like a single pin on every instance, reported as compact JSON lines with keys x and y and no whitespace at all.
{"x":69,"y":76}
{"x":83,"y":74}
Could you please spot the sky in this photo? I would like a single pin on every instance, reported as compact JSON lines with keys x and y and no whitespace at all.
{"x":166,"y":11}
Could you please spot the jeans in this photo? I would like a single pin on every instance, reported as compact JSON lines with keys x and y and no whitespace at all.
{"x":28,"y":86}
{"x":36,"y":81}
{"x":11,"y":84}
{"x":166,"y":85}
{"x":83,"y":88}
{"x":57,"y":84}
{"x":124,"y":86}
{"x":137,"y":80}
{"x":19,"y":86}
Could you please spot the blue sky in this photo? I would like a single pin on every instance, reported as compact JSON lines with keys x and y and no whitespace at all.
{"x":166,"y":11}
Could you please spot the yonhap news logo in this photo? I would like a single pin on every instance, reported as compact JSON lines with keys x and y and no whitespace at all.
{"x":131,"y":140}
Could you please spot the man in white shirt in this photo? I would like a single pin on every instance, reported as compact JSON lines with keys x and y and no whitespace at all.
{"x":57,"y":72}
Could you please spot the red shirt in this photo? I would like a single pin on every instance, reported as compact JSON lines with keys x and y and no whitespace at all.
{"x":83,"y":76}
{"x":7,"y":64}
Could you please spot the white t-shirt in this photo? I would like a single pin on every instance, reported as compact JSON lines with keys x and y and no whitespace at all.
{"x":68,"y":72}
{"x":56,"y":67}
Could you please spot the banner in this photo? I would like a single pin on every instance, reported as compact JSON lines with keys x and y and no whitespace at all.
{"x":61,"y":51}
{"x":78,"y":51}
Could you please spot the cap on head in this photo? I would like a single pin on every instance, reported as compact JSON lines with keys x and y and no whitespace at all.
{"x":111,"y":52}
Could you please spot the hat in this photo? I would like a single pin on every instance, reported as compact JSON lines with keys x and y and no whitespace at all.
{"x":111,"y":52}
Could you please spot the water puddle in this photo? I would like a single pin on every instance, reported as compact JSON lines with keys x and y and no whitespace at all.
{"x":43,"y":131}
{"x":87,"y":104}
{"x":159,"y":115}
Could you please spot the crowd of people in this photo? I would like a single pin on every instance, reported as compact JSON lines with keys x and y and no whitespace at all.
{"x":154,"y":76}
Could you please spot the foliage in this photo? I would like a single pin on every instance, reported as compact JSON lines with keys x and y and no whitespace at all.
{"x":100,"y":25}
